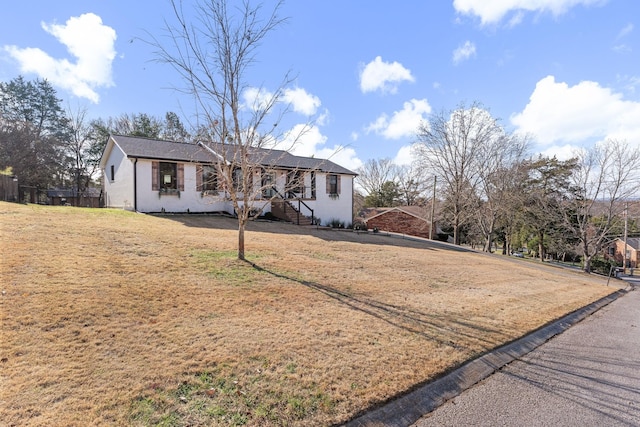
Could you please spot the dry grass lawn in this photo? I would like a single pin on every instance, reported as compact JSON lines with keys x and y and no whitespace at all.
{"x":115,"y":318}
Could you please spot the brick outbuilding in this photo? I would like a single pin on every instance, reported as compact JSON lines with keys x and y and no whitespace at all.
{"x":409,"y":220}
{"x":617,"y":251}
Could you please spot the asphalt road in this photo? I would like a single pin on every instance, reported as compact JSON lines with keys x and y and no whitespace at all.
{"x":587,"y":376}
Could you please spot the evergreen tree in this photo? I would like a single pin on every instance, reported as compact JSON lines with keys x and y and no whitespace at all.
{"x":33,"y":132}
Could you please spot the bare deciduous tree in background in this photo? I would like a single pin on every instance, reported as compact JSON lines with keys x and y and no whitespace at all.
{"x":212,"y":53}
{"x":373,"y":175}
{"x":513,"y":190}
{"x":84,"y":147}
{"x":412,"y":185}
{"x":452,"y":145}
{"x":502,"y":154}
{"x":601,"y":185}
{"x":383,"y":181}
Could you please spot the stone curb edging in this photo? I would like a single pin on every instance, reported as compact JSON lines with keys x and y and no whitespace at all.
{"x":408,"y":409}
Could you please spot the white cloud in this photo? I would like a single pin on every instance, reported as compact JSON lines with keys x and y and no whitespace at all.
{"x":383,"y":76}
{"x":493,"y":11}
{"x":402,"y":123}
{"x":560,"y":152}
{"x":629,"y":83}
{"x":464,"y":52}
{"x":623,"y":47}
{"x":89,"y":41}
{"x":302,"y":101}
{"x":560,"y":114}
{"x":303,"y":140}
{"x":628,"y":29}
{"x":405,"y":156}
{"x":516,"y":19}
{"x":341,"y":155}
{"x":308,"y":141}
{"x":323,"y":118}
{"x":256,"y":98}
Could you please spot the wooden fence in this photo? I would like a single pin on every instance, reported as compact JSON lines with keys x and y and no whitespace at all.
{"x":9,"y":190}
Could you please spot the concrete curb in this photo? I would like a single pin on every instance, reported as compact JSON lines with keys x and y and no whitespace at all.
{"x":408,"y":409}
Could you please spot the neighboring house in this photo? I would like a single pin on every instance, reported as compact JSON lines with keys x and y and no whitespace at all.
{"x":89,"y":198}
{"x":617,"y":251}
{"x":409,"y":220}
{"x":147,"y":175}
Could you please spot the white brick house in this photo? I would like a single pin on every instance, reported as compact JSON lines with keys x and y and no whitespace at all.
{"x":147,"y":175}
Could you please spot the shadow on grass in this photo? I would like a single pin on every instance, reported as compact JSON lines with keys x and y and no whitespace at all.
{"x":446,"y":330}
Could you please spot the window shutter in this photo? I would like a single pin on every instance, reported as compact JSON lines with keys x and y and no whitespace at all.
{"x":180,"y":176}
{"x":155,"y":175}
{"x":338,"y":182}
{"x":328,"y":183}
{"x":199,"y":177}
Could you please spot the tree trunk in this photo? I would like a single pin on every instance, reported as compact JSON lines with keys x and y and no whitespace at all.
{"x":489,"y":237}
{"x":541,"y":246}
{"x":456,"y":230}
{"x":241,"y":225}
{"x":587,"y":257}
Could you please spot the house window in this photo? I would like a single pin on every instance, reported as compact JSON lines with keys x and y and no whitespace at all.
{"x":295,"y":182}
{"x":168,"y":176}
{"x":113,"y":173}
{"x":333,"y":184}
{"x":268,"y":184}
{"x":209,"y":178}
{"x":237,"y":179}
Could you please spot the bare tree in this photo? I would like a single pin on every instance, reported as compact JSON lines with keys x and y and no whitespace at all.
{"x":602,"y":182}
{"x":212,"y":54}
{"x":511,"y":212}
{"x":453,"y":146}
{"x":412,"y":185}
{"x":81,"y":148}
{"x":373,"y":175}
{"x":496,"y":182}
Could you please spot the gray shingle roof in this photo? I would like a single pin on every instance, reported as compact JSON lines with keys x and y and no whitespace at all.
{"x":168,"y":150}
{"x":156,"y":149}
{"x":634,"y":242}
{"x":283,"y":159}
{"x":416,"y":211}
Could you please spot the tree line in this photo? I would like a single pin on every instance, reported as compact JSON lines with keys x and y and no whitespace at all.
{"x":491,"y":191}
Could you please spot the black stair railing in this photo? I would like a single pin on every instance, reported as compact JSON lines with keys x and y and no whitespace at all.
{"x":297,"y":211}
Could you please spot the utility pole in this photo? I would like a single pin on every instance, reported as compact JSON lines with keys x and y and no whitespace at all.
{"x":433,"y":208}
{"x":626,"y":225}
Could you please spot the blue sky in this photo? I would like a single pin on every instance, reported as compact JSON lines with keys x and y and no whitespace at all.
{"x":565,"y":71}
